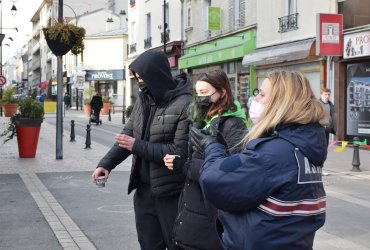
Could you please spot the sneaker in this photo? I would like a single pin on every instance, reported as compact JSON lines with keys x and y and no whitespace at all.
{"x":325,"y":173}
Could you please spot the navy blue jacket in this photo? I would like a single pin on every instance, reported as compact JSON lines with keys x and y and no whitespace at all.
{"x":269,"y":196}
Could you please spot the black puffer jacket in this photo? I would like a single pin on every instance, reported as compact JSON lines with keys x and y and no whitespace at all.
{"x":195,"y":226}
{"x":163,"y":131}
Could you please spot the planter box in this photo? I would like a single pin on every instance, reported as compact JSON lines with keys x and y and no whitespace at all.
{"x":28,"y":131}
{"x":10,"y":109}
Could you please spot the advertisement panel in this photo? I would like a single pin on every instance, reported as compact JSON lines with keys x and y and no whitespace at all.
{"x":358,"y":100}
{"x":329,"y":31}
{"x":356,"y":45}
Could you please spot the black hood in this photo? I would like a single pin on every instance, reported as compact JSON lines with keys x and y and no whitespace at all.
{"x":154,"y":68}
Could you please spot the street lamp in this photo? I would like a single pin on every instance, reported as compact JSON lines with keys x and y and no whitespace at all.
{"x":13,"y":10}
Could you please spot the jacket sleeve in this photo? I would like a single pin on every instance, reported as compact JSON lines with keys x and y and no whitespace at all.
{"x":236,"y":183}
{"x":233,"y":130}
{"x":117,"y":154}
{"x":156,"y":151}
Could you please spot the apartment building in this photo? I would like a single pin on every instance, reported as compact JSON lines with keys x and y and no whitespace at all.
{"x":217,"y":34}
{"x":153,"y":24}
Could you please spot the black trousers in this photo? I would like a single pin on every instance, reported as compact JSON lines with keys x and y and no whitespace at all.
{"x":155,"y":218}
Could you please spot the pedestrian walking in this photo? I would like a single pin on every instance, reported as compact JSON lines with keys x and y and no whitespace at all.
{"x":195,"y":226}
{"x":329,"y":120}
{"x":96,"y":104}
{"x":67,"y":101}
{"x":157,"y":125}
{"x":271,"y":195}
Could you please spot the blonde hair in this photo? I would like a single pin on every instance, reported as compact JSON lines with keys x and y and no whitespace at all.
{"x":291,"y":101}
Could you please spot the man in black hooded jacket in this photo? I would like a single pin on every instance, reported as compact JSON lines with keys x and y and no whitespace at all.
{"x":158,"y":125}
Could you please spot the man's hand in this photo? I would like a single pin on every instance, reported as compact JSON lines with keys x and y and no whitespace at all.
{"x":201,"y":139}
{"x":125,"y":141}
{"x":100,"y":171}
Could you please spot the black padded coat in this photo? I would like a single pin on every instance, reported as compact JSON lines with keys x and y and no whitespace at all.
{"x":195,"y":226}
{"x":164,"y":132}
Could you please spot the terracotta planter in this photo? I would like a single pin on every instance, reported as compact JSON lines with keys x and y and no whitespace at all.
{"x":27,"y":136}
{"x":10,"y":109}
{"x":106,"y":108}
{"x":87,"y":110}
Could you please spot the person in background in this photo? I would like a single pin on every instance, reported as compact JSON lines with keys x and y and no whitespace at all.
{"x":215,"y":110}
{"x":96,"y":104}
{"x":67,"y":101}
{"x":157,"y":125}
{"x":271,"y":195}
{"x":329,"y":120}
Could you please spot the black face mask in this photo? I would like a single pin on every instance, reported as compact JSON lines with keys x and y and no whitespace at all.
{"x":144,"y":89}
{"x":203,"y":102}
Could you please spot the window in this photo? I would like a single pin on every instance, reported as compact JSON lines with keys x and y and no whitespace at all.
{"x":133,"y":33}
{"x":206,"y":4}
{"x":148,"y":25}
{"x":236,"y":13}
{"x":188,"y":16}
{"x":292,"y":7}
{"x":167,"y":16}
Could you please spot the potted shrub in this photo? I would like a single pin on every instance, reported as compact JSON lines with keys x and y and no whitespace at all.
{"x":107,"y":105}
{"x":9,"y":103}
{"x":26,"y":126}
{"x":88,"y":96}
{"x":63,"y":37}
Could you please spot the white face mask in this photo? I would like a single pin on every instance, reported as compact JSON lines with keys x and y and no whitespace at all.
{"x":255,"y":111}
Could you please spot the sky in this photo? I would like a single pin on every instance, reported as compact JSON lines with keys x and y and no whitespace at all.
{"x":22,"y":20}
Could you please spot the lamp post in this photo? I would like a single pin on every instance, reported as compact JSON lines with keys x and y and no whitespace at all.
{"x":14,"y":11}
{"x":59,"y":120}
{"x":164,"y":26}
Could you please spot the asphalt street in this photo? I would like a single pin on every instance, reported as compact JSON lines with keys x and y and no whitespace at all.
{"x":53,"y":204}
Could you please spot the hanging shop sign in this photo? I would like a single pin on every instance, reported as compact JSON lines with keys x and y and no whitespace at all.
{"x":329,"y":31}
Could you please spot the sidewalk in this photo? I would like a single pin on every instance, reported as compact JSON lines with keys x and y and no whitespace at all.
{"x":76,"y":159}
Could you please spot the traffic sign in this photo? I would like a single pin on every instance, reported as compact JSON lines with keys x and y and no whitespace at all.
{"x":2,"y":80}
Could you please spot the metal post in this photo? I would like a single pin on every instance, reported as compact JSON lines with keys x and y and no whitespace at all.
{"x":164,"y":26}
{"x":123,"y":115}
{"x":356,"y":156}
{"x":109,"y":117}
{"x":59,"y":132}
{"x":88,"y":137}
{"x":72,"y":130}
{"x":77,"y":98}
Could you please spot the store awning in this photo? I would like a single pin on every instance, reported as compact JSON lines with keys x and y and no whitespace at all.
{"x":281,"y":53}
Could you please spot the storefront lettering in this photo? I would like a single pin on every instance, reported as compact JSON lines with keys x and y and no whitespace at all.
{"x":102,"y":75}
{"x":362,"y":39}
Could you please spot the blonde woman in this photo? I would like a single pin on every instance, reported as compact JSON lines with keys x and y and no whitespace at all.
{"x":271,"y":195}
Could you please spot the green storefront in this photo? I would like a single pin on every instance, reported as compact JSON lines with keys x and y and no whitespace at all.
{"x":224,"y":53}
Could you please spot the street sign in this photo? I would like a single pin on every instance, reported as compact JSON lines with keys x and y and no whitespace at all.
{"x":2,"y":80}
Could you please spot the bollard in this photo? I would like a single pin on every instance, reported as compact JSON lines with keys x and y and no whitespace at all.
{"x":88,"y":137}
{"x":356,"y":157}
{"x":72,"y":130}
{"x":123,"y":115}
{"x":109,"y":117}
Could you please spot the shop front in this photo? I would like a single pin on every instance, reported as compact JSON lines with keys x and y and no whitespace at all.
{"x":224,"y":53}
{"x":297,"y":55}
{"x":108,"y":83}
{"x":355,"y":85}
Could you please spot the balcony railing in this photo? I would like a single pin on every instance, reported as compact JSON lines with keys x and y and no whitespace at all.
{"x":148,"y":43}
{"x":167,"y":36}
{"x":288,"y":23}
{"x":132,"y":48}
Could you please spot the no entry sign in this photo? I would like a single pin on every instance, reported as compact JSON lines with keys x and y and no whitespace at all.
{"x":2,"y":80}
